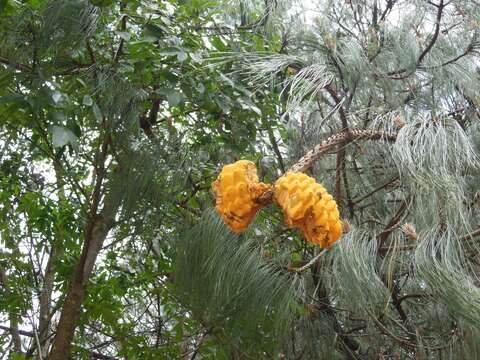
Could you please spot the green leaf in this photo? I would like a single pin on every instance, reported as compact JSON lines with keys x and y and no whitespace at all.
{"x":102,"y":3}
{"x":182,"y":56}
{"x":155,"y":30}
{"x":3,"y":5}
{"x":175,"y":51}
{"x":97,"y":112}
{"x":87,"y":100}
{"x":62,"y":136}
{"x":174,"y":97}
{"x":124,"y":35}
{"x":16,"y":356}
{"x":56,"y":96}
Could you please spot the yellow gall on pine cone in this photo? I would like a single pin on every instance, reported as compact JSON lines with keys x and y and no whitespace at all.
{"x":308,"y":207}
{"x":236,"y":190}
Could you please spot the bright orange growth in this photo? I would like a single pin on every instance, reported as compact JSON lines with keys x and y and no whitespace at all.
{"x":236,"y":190}
{"x":308,"y":207}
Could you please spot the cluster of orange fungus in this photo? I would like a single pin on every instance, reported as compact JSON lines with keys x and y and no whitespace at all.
{"x":237,"y":189}
{"x":308,"y":207}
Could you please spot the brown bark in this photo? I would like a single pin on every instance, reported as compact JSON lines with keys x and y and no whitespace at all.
{"x":338,"y":139}
{"x":96,"y":231}
{"x":45,"y":300}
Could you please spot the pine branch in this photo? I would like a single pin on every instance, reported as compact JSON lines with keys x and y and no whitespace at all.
{"x":347,"y":190}
{"x":373,"y":192}
{"x":412,"y":296}
{"x":388,"y":9}
{"x":341,"y":138}
{"x":311,"y":262}
{"x":343,"y":113}
{"x":347,"y":345}
{"x":468,"y":237}
{"x":340,"y":168}
{"x":393,"y":223}
{"x":401,"y":341}
{"x":17,"y":66}
{"x":430,"y":45}
{"x":276,"y":149}
{"x":467,"y":51}
{"x":435,"y":34}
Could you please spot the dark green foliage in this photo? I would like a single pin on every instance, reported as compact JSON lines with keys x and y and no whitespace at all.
{"x":136,"y":105}
{"x":234,"y":292}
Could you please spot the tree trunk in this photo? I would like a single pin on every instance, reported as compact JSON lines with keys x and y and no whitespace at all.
{"x":49,"y":275}
{"x":46,"y":301}
{"x":96,"y":231}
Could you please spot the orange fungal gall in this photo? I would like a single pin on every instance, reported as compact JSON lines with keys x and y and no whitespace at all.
{"x":309,"y":207}
{"x":237,"y":189}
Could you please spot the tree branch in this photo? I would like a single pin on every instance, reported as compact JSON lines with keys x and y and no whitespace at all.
{"x":340,"y":168}
{"x":123,"y":27}
{"x":17,"y":66}
{"x":435,"y":34}
{"x":381,"y":187}
{"x":96,"y":230}
{"x":429,"y":46}
{"x":343,"y":113}
{"x":388,"y":8}
{"x":276,"y":149}
{"x":341,"y":138}
{"x":394,"y":221}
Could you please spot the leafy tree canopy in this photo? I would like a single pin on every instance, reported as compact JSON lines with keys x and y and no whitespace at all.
{"x":116,"y":117}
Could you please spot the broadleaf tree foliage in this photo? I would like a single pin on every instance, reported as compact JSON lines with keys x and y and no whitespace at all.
{"x":116,"y":117}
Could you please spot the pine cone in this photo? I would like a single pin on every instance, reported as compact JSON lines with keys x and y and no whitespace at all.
{"x":236,"y":190}
{"x":308,"y":207}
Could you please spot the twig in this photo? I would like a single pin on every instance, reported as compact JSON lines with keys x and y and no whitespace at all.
{"x":276,"y":149}
{"x":394,"y":221}
{"x":17,"y":66}
{"x":381,"y":187}
{"x":200,"y":343}
{"x":411,"y":296}
{"x":429,"y":46}
{"x":90,"y":51}
{"x":122,"y":41}
{"x":467,"y":237}
{"x":20,"y":332}
{"x":340,"y":167}
{"x":435,"y":34}
{"x":343,"y":113}
{"x":311,"y":262}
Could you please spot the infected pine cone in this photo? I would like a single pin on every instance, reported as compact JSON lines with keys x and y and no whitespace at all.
{"x":399,"y":122}
{"x":409,"y":231}
{"x":236,"y":190}
{"x":308,"y":207}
